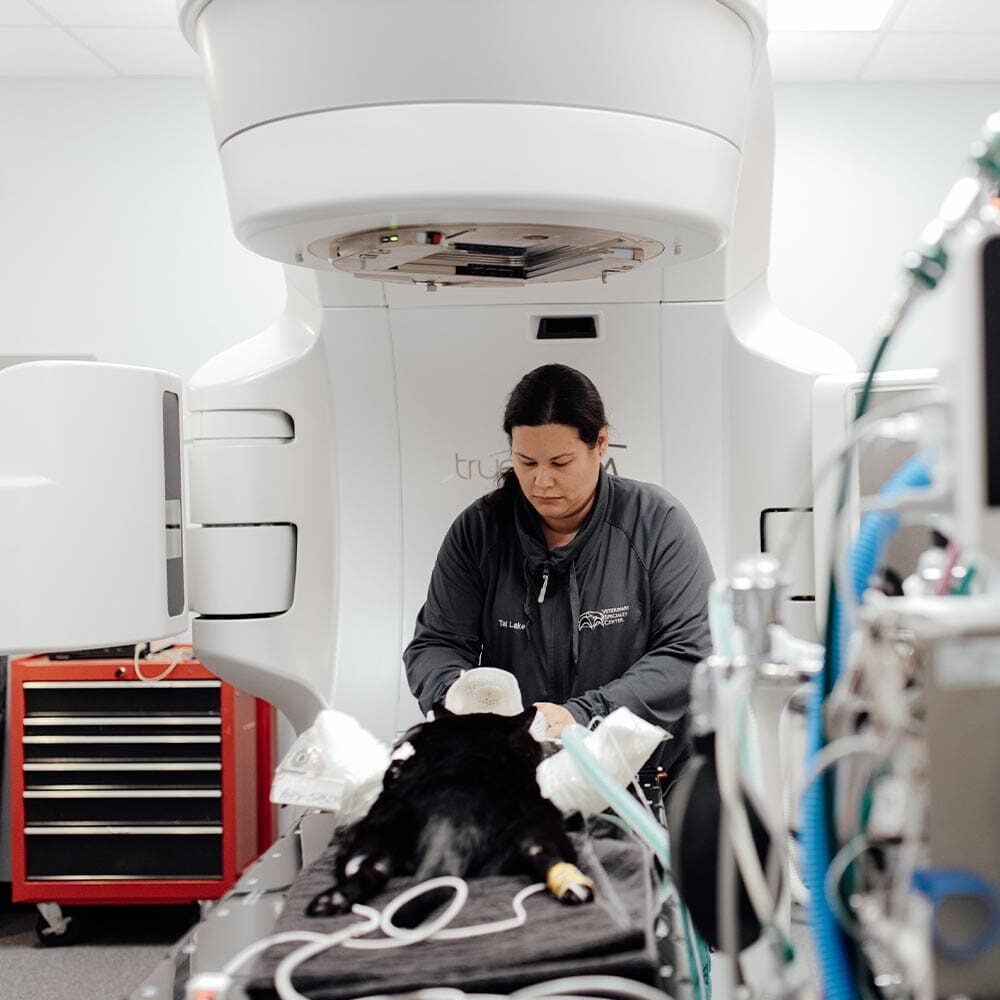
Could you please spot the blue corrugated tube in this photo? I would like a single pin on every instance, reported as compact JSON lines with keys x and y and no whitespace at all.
{"x":831,"y":952}
{"x":877,"y":527}
{"x":875,"y":533}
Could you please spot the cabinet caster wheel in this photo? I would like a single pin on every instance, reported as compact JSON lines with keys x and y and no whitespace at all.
{"x":55,"y":928}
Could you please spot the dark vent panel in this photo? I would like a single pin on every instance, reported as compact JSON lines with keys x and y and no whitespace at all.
{"x":567,"y":328}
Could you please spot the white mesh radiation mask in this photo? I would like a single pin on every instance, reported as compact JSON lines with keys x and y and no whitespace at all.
{"x":484,"y":689}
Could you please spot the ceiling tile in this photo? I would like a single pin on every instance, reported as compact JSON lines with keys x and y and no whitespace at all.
{"x":46,"y":52}
{"x":970,"y":16}
{"x":112,"y":13}
{"x":936,"y":58}
{"x":143,"y":51}
{"x":842,"y":15}
{"x":819,"y":55}
{"x":20,"y":12}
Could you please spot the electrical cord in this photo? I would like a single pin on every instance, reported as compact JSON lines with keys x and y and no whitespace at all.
{"x":180,"y":654}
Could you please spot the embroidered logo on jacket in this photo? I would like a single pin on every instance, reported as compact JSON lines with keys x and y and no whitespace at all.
{"x":600,"y":619}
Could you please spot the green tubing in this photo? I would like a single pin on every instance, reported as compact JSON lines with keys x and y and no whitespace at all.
{"x":624,"y":804}
{"x":643,"y":823}
{"x":963,"y":587}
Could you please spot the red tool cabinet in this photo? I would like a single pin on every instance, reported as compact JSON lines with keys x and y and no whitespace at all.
{"x":128,"y":791}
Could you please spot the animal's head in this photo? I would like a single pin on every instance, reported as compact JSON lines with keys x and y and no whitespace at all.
{"x":470,"y":732}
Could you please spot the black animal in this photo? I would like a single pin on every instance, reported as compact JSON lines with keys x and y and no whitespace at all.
{"x":460,"y":797}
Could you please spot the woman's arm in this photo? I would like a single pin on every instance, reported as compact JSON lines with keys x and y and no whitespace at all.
{"x":655,"y":687}
{"x":447,"y":637}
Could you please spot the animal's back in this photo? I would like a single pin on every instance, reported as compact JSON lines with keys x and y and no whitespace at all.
{"x":460,"y":798}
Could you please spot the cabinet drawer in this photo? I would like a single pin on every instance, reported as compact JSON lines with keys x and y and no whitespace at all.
{"x":108,"y":748}
{"x":123,"y":725}
{"x":123,"y":852}
{"x":86,"y":775}
{"x":123,"y":805}
{"x":73,"y":699}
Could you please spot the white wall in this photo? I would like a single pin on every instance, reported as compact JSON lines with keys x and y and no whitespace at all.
{"x":859,"y":170}
{"x":115,"y":239}
{"x":114,"y":230}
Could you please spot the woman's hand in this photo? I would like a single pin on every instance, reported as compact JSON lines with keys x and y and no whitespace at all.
{"x":556,"y":716}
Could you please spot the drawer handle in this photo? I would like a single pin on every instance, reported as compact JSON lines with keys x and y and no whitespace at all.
{"x":125,"y":793}
{"x":116,"y":685}
{"x":121,"y":739}
{"x":100,"y":831}
{"x":123,"y":720}
{"x":151,"y":766}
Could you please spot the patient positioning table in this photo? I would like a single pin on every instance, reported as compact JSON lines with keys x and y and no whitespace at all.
{"x":614,"y":935}
{"x":624,"y":932}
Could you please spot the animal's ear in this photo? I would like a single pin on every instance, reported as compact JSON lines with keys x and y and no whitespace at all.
{"x":409,"y":735}
{"x":440,"y":711}
{"x":523,"y":720}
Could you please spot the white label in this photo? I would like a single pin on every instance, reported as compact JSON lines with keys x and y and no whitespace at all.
{"x":968,"y":662}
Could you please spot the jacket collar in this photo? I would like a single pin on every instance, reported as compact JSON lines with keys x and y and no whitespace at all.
{"x":529,"y":531}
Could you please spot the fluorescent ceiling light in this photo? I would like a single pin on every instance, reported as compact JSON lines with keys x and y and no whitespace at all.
{"x":826,"y":15}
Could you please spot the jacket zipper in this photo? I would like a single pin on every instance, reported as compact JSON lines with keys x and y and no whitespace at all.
{"x":545,"y":584}
{"x":551,"y":645}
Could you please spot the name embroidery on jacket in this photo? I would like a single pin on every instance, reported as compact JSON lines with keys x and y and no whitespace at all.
{"x":508,"y":623}
{"x":604,"y":618}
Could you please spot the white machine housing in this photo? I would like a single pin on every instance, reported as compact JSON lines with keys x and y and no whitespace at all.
{"x":90,"y":500}
{"x":337,"y":118}
{"x":329,"y":453}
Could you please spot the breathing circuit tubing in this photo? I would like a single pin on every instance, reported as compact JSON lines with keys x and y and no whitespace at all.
{"x":638,"y":818}
{"x":924,"y":268}
{"x":877,"y":527}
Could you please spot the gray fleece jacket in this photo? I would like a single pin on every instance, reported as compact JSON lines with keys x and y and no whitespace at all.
{"x":619,"y":616}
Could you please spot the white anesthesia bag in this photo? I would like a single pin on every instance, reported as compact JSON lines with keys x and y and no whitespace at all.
{"x":335,"y":765}
{"x":621,"y":744}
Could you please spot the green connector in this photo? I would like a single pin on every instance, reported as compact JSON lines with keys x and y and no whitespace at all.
{"x":985,"y":151}
{"x":926,"y":265}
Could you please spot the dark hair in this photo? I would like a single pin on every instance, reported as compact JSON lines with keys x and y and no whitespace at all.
{"x":551,"y":394}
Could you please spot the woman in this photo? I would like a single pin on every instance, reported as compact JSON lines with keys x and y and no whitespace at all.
{"x":591,"y":589}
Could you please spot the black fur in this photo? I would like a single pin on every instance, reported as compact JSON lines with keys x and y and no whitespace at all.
{"x":465,"y":803}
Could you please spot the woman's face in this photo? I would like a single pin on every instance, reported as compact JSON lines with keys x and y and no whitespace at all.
{"x":556,"y":470}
